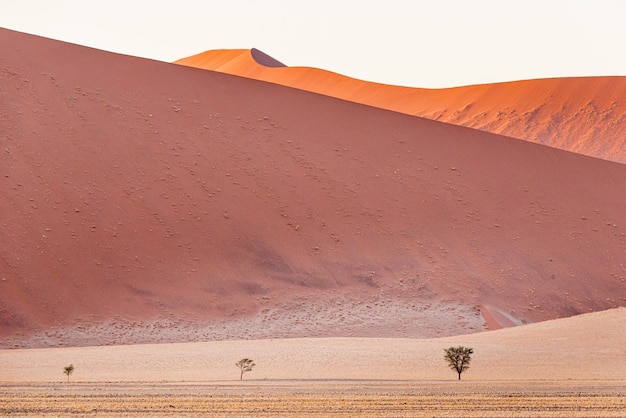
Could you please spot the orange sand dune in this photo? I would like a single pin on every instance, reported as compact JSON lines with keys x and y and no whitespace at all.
{"x":155,"y":202}
{"x":583,"y":115}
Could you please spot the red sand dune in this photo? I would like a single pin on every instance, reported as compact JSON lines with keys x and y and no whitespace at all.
{"x":583,"y":115}
{"x":154,"y":202}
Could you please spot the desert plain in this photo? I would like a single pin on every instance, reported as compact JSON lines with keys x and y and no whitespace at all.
{"x":560,"y":368}
{"x":161,"y":221}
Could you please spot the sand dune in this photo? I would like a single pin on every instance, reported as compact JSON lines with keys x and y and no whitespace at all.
{"x":583,"y":115}
{"x":583,"y":347}
{"x":155,"y":202}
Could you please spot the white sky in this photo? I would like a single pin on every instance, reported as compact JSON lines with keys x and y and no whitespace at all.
{"x":433,"y":43}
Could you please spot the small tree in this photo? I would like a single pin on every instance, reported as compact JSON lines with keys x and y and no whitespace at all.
{"x":458,"y":358}
{"x":245,"y":365}
{"x":68,"y":371}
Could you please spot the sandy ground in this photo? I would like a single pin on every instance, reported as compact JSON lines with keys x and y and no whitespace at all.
{"x":319,"y":399}
{"x":582,"y":347}
{"x":563,"y":368}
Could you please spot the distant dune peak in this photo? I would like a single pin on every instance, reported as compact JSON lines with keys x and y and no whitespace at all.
{"x":263,"y":59}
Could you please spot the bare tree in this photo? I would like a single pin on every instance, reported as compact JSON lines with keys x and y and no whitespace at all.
{"x":458,"y":358}
{"x":245,"y":365}
{"x":68,"y":371}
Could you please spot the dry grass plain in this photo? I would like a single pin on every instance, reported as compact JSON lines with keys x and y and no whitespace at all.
{"x":318,"y":399}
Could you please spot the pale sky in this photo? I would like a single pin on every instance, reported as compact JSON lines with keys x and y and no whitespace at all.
{"x":416,"y":43}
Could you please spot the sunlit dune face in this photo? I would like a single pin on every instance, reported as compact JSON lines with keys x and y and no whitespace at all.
{"x":582,"y":115}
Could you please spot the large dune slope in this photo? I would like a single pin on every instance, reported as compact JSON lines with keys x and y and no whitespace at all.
{"x":584,"y":115}
{"x":158,"y":202}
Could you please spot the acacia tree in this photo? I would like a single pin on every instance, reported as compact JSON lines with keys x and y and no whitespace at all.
{"x":68,"y":371}
{"x":458,"y":358}
{"x":245,"y":365}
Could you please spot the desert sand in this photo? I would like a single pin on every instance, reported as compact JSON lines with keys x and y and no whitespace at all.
{"x":326,"y":399}
{"x":162,"y":203}
{"x":567,"y":367}
{"x":584,"y":347}
{"x":582,"y":115}
{"x":159,"y":222}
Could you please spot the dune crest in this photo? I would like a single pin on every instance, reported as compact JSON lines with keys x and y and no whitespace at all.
{"x":159,"y":203}
{"x":582,"y":115}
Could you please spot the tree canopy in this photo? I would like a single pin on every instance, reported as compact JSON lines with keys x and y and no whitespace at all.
{"x":68,"y":371}
{"x":245,"y":365}
{"x":458,"y":358}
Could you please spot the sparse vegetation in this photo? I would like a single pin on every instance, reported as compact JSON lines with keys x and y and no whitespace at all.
{"x":245,"y":365}
{"x":459,"y":358}
{"x":68,"y":370}
{"x":353,"y":398}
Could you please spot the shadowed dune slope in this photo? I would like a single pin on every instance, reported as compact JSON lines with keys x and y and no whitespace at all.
{"x":154,"y":195}
{"x":583,"y":115}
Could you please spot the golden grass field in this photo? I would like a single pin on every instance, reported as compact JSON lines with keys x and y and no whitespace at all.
{"x":318,"y":399}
